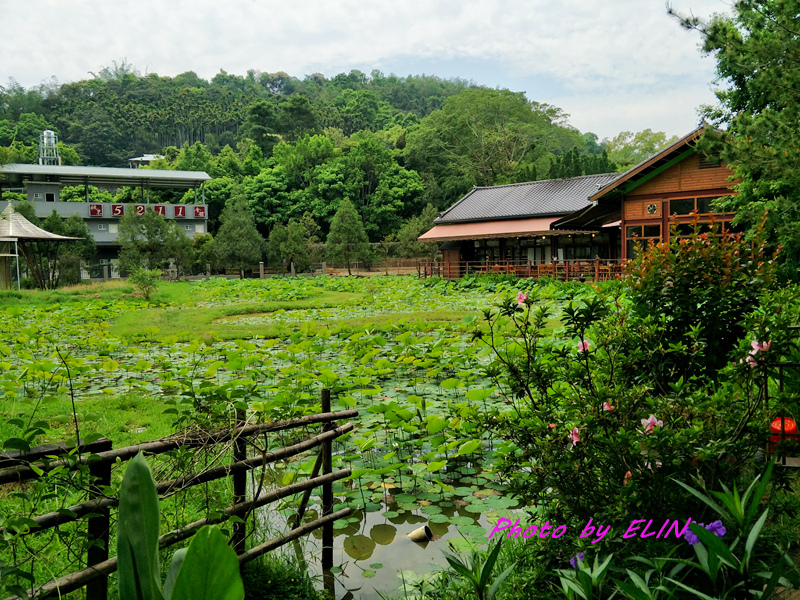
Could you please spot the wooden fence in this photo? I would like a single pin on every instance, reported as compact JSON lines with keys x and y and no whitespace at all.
{"x":598,"y":269}
{"x":99,"y":456}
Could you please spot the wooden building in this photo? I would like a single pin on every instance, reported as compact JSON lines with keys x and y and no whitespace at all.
{"x":645,"y":199}
{"x":586,"y":225}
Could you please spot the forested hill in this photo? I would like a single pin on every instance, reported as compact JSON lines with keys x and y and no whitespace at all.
{"x":292,"y":146}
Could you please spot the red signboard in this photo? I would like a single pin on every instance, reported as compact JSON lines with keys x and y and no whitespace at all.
{"x":140,"y":210}
{"x":95,"y":210}
{"x":160,"y":210}
{"x":180,"y":211}
{"x":117,"y":210}
{"x":199,"y":212}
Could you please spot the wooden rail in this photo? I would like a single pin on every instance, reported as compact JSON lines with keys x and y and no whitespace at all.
{"x":99,"y":456}
{"x":598,"y":269}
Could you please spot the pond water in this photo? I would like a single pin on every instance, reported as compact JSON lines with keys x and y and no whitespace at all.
{"x":373,"y":554}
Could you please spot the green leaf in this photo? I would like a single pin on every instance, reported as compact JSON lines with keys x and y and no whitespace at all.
{"x":210,"y":570}
{"x":174,"y":567}
{"x":137,"y":534}
{"x":16,"y":444}
{"x":753,"y":535}
{"x":469,"y":447}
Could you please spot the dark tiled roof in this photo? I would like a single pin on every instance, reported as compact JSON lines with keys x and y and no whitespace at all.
{"x":550,"y":197}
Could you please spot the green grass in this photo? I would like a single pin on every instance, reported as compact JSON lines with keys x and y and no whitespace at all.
{"x":109,"y":291}
{"x":126,"y":419}
{"x":191,"y":323}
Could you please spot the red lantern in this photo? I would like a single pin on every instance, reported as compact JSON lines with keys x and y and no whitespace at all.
{"x":785,"y":428}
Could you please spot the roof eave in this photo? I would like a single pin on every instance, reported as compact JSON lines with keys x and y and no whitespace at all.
{"x":635,"y":170}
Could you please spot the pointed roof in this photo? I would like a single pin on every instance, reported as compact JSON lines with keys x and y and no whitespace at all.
{"x":13,"y":225}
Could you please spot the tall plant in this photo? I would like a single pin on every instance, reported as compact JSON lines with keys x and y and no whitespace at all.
{"x":207,"y":570}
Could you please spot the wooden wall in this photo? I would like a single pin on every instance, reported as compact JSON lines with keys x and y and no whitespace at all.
{"x":649,"y":204}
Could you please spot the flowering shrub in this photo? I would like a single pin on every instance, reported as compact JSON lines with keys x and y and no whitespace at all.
{"x":700,"y":287}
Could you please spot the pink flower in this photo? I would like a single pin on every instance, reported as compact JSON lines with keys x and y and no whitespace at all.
{"x":751,"y":361}
{"x":607,"y":407}
{"x":574,"y":435}
{"x":521,"y":298}
{"x":763,"y":346}
{"x":552,"y":426}
{"x":651,"y":422}
{"x":628,"y":478}
{"x":583,"y":346}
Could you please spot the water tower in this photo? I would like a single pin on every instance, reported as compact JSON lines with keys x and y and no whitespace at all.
{"x":48,"y":148}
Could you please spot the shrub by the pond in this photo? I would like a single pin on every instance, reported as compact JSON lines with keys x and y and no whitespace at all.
{"x":700,"y":286}
{"x":604,"y":415}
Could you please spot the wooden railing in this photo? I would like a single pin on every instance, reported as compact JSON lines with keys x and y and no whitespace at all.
{"x":99,"y":456}
{"x":598,"y":269}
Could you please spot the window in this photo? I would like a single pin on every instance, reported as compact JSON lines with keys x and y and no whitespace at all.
{"x":643,"y":234}
{"x":187,"y":227}
{"x":684,"y":206}
{"x":37,"y":196}
{"x":199,"y":228}
{"x":113,"y":228}
{"x":50,"y":197}
{"x":101,"y":227}
{"x":704,"y":206}
{"x":681,"y":206}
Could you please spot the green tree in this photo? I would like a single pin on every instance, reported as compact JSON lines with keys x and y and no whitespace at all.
{"x":408,"y":234}
{"x":150,"y":241}
{"x":628,"y":149}
{"x":347,"y":241}
{"x":757,"y":118}
{"x":53,"y":263}
{"x":277,"y":238}
{"x":487,"y":137}
{"x":238,"y":242}
{"x":295,"y":248}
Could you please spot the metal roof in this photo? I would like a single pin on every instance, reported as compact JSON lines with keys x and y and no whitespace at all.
{"x":154,"y":178}
{"x":549,"y":197}
{"x":13,"y":225}
{"x":606,"y":201}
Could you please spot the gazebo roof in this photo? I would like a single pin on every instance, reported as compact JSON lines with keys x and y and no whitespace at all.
{"x":14,"y":226}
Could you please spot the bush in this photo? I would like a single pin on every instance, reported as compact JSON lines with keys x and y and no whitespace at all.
{"x":700,"y":286}
{"x":145,"y":280}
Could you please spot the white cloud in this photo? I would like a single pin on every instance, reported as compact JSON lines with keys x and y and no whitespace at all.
{"x":592,"y":50}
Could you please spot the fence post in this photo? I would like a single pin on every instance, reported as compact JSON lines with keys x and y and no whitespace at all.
{"x":566,"y":270}
{"x":98,"y":527}
{"x":239,"y":481}
{"x":327,"y":488}
{"x":597,"y":269}
{"x":261,"y":269}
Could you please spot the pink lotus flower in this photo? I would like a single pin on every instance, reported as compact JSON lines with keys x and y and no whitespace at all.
{"x":522,"y":298}
{"x":651,"y":422}
{"x":607,"y":407}
{"x":751,"y":361}
{"x":552,"y":426}
{"x":574,"y":435}
{"x":583,"y":346}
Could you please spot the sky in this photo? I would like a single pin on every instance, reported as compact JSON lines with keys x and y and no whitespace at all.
{"x":612,"y":65}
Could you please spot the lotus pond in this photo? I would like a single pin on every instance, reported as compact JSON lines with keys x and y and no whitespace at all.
{"x":397,"y":349}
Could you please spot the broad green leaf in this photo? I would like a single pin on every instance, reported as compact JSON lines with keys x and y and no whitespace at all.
{"x":137,"y":534}
{"x":469,"y":447}
{"x":210,"y":570}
